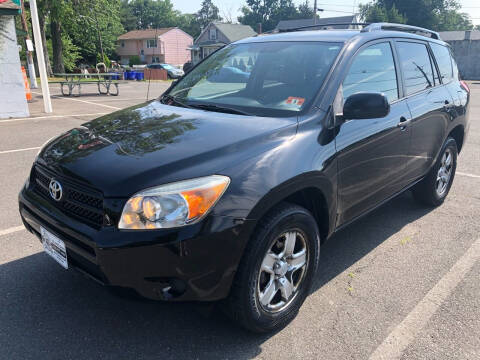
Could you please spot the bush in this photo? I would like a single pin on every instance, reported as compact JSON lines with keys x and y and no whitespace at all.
{"x":134,"y":60}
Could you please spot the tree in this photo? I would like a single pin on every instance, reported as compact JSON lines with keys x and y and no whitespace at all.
{"x":305,"y":11}
{"x":95,"y":28}
{"x":270,"y":12}
{"x":439,"y":15}
{"x":208,"y":12}
{"x":147,"y":14}
{"x":374,"y":13}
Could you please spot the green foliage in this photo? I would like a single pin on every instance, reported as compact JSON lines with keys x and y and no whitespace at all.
{"x":270,"y":12}
{"x":71,"y":53}
{"x":189,"y":24}
{"x":134,"y":60}
{"x":105,"y":60}
{"x":95,"y":20}
{"x":207,"y":13}
{"x":305,"y":11}
{"x":374,"y":13}
{"x":146,"y":14}
{"x":439,"y":15}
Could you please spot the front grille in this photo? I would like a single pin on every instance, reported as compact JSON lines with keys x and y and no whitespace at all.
{"x":77,"y":201}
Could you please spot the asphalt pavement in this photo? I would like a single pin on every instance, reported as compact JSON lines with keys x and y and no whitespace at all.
{"x":400,"y":283}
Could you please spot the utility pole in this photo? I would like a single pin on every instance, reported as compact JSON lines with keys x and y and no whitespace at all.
{"x":47,"y":102}
{"x":28,"y":44}
{"x":315,"y":12}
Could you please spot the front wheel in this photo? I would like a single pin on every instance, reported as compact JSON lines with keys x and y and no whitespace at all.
{"x":434,"y":188}
{"x":277,"y":269}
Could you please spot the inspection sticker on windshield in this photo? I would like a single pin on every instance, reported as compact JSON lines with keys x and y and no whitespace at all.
{"x":292,"y":100}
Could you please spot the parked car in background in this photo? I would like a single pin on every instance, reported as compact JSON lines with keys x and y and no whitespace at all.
{"x":172,"y":71}
{"x":227,"y":190}
{"x":229,"y":74}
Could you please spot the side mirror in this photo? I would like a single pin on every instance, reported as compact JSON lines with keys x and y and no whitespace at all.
{"x":366,"y":106}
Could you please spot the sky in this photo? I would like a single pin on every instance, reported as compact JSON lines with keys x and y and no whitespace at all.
{"x":231,"y":8}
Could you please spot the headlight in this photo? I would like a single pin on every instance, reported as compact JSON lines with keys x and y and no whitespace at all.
{"x":173,"y":205}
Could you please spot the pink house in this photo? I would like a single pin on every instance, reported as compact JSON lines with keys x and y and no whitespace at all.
{"x":170,"y":46}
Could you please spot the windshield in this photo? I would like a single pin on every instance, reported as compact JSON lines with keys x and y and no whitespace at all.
{"x":168,"y":67}
{"x":263,"y":79}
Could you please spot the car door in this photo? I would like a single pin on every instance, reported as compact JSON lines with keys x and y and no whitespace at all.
{"x":448,"y":73}
{"x":430,"y":104}
{"x":371,"y":154}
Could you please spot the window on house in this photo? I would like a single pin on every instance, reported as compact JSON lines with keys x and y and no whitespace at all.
{"x":155,"y":59}
{"x":151,"y":43}
{"x":122,"y":44}
{"x":213,"y":34}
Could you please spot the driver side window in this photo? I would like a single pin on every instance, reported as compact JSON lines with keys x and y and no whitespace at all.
{"x":372,"y":70}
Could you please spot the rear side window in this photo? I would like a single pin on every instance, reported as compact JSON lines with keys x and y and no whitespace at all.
{"x":456,"y":72}
{"x":416,"y":66}
{"x":372,"y":70}
{"x":444,"y":62}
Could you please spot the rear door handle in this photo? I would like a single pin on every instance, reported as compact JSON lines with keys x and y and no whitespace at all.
{"x":404,"y":123}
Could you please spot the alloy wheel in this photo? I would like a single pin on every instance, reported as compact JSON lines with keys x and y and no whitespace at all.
{"x":282,"y":271}
{"x":444,"y":173}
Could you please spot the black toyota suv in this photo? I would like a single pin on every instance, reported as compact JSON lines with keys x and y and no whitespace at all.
{"x":226,"y":187}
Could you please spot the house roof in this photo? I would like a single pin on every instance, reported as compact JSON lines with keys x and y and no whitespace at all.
{"x":284,"y":25}
{"x":144,"y":34}
{"x":459,"y":35}
{"x":9,"y":7}
{"x":234,"y":32}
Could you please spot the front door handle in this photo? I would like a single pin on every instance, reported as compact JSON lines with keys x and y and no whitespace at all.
{"x":404,"y":123}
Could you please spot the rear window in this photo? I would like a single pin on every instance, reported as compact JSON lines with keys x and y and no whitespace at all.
{"x":444,"y":62}
{"x":416,"y":66}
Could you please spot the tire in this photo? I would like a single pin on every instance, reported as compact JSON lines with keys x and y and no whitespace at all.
{"x":252,"y":283}
{"x":426,"y":191}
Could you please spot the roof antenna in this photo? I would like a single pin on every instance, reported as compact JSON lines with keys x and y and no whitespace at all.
{"x":153,"y":56}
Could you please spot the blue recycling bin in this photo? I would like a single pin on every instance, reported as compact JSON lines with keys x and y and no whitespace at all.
{"x":132,"y":75}
{"x":139,"y":75}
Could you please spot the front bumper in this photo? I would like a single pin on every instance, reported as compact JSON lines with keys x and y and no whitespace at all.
{"x":196,"y":262}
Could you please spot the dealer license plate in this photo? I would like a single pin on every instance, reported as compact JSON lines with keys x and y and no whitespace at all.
{"x":54,"y":247}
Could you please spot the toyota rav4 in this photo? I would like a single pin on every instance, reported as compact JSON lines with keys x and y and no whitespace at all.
{"x":226,"y":187}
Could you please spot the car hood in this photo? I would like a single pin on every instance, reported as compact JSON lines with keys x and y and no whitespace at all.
{"x":152,"y":144}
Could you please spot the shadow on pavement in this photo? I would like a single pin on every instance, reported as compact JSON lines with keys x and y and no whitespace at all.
{"x":46,"y":312}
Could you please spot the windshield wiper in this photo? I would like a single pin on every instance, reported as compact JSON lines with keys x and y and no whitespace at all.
{"x":217,"y":108}
{"x":172,"y":100}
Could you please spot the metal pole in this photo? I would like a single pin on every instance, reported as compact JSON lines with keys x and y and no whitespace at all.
{"x":31,"y":67}
{"x":47,"y":103}
{"x":315,"y":12}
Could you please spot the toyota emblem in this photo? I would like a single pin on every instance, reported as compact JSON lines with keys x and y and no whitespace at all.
{"x":55,"y":190}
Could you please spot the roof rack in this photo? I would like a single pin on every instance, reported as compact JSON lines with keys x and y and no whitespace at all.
{"x":300,"y":28}
{"x":401,"y":27}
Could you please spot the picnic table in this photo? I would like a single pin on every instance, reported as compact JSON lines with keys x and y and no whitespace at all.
{"x":104,"y":83}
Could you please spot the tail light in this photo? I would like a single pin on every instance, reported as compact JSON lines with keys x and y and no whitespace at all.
{"x":464,"y":86}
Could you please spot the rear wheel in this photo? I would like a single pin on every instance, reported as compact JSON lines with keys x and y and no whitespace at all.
{"x":277,"y":270}
{"x":435,"y":187}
